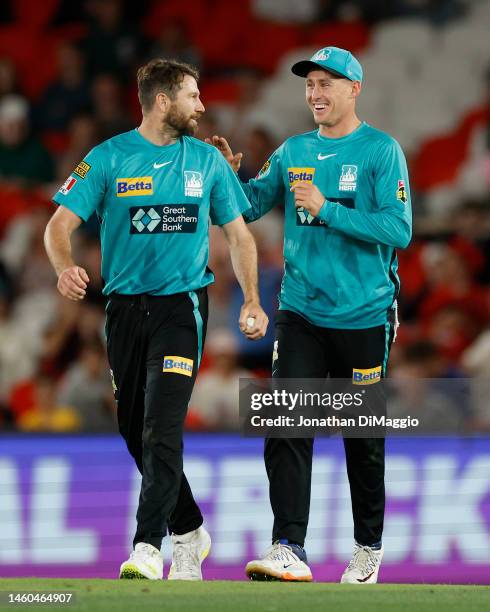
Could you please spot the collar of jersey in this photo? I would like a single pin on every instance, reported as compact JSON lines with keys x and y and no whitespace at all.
{"x":159,"y":148}
{"x":353,"y":134}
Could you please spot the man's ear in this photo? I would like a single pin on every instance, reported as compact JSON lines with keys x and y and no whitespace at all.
{"x":356,"y":89}
{"x":162,"y":102}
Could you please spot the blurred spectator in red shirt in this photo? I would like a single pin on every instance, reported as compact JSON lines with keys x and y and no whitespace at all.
{"x":455,"y":308}
{"x":472,"y":225}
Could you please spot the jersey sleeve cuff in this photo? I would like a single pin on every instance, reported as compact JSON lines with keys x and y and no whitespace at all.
{"x":74,"y":209}
{"x":326,"y":211}
{"x":231,"y":216}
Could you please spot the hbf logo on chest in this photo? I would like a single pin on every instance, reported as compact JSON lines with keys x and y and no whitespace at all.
{"x":134,"y":186}
{"x":295,"y":175}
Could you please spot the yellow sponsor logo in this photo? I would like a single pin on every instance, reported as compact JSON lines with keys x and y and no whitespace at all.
{"x":82,"y":169}
{"x":265,"y":169}
{"x":295,"y":175}
{"x":366,"y":377}
{"x":179,"y":365}
{"x":134,"y":186}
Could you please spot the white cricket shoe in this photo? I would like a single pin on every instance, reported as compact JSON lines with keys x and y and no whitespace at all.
{"x":144,"y":562}
{"x":279,"y":563}
{"x":364,"y":566}
{"x":190,"y":550}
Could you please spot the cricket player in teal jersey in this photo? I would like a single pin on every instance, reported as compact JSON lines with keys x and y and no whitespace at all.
{"x":155,"y":189}
{"x":347,"y":209}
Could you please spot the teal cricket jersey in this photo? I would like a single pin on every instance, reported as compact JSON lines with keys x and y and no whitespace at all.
{"x":340,"y":268}
{"x":154,"y":204}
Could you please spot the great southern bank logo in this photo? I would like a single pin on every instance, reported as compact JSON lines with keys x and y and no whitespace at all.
{"x":146,"y":219}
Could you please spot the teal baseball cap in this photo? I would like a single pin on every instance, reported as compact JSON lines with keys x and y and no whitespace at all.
{"x":336,"y":60}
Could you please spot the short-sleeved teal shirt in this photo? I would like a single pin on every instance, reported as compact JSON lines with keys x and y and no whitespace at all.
{"x":154,"y":204}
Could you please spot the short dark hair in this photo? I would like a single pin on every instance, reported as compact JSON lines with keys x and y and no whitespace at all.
{"x":160,"y":75}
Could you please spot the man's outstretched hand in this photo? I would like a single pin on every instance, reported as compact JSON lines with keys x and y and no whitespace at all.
{"x":224,"y":148}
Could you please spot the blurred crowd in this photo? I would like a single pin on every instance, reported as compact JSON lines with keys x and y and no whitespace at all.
{"x":54,"y":374}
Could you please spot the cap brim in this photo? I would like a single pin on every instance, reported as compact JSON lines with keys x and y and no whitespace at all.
{"x":304,"y":67}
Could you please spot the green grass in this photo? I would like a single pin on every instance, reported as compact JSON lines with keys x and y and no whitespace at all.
{"x":217,"y":596}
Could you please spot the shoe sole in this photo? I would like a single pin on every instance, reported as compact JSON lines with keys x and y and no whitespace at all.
{"x":257,"y":574}
{"x":131,"y":572}
{"x":371,"y":580}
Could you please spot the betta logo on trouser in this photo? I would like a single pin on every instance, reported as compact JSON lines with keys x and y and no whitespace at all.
{"x":366,"y":377}
{"x":179,"y":365}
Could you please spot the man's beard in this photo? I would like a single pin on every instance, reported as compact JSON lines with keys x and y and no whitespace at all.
{"x":180,"y":124}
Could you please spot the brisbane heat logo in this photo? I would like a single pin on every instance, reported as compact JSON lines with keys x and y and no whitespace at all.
{"x":401,"y":192}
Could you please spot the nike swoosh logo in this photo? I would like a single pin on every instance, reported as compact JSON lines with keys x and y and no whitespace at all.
{"x":286,"y":566}
{"x":320,"y":156}
{"x":366,"y":578}
{"x":156,"y":166}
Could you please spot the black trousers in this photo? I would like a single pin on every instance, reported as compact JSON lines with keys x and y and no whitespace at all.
{"x":303,"y":350}
{"x":154,"y":344}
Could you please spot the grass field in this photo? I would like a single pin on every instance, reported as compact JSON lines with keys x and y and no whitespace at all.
{"x":139,"y":596}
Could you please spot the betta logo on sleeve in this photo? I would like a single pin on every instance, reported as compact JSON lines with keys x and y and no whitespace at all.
{"x":296,"y":175}
{"x":178,"y":365}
